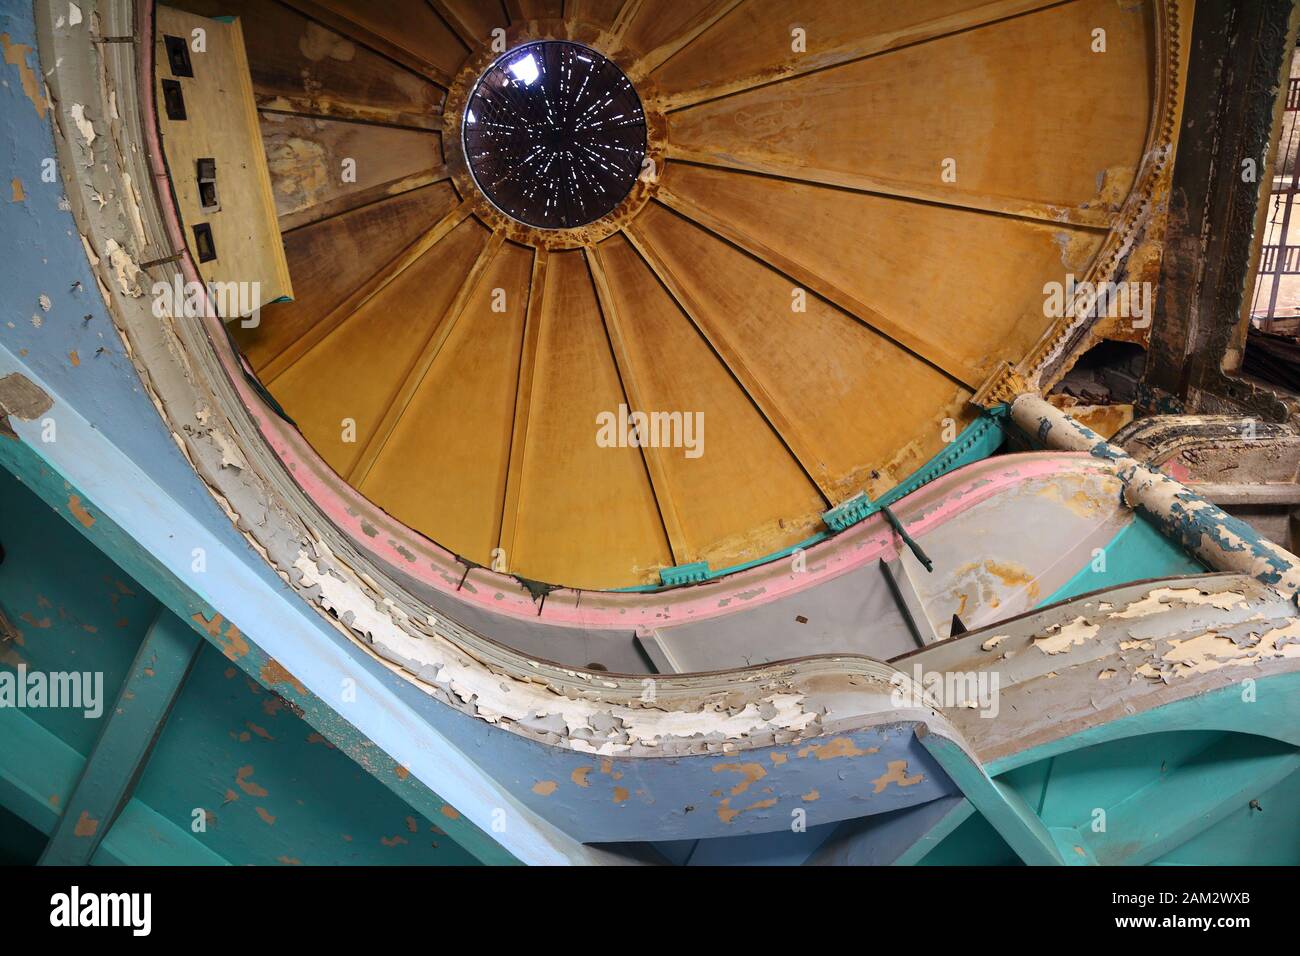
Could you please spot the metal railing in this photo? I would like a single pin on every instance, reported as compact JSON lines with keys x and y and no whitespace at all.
{"x":1289,"y":257}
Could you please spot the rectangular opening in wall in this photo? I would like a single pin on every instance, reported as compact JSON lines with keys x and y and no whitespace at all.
{"x":178,"y":55}
{"x":203,"y":244}
{"x":1272,"y":352}
{"x":207,"y":176}
{"x":173,"y":100}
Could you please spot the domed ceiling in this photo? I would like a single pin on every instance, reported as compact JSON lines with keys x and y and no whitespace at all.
{"x":590,"y":289}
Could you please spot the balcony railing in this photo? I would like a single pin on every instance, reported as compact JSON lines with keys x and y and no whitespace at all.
{"x":1290,"y":260}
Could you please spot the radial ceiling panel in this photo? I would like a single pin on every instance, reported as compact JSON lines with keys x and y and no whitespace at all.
{"x":322,"y":166}
{"x":667,"y":364}
{"x":758,"y":43}
{"x":1034,"y":121}
{"x":985,"y":313}
{"x":575,"y":509}
{"x":602,"y":12}
{"x":340,"y":390}
{"x":840,"y":233}
{"x":460,"y":420}
{"x":335,"y":256}
{"x":408,"y":30}
{"x":847,"y":401}
{"x":472,"y":20}
{"x":300,"y":66}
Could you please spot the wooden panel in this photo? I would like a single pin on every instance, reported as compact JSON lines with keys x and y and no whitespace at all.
{"x":221,"y":124}
{"x":586,"y":516}
{"x":657,"y":25}
{"x":331,"y":259}
{"x":306,"y":159}
{"x":1025,"y":108}
{"x":534,"y":9}
{"x":725,"y":516}
{"x":473,"y":20}
{"x":756,"y":43}
{"x":409,"y":31}
{"x":603,"y":12}
{"x":354,"y":371}
{"x":443,"y":470}
{"x":300,"y":66}
{"x":966,"y":283}
{"x":410,"y":384}
{"x":705,"y":19}
{"x":857,"y":410}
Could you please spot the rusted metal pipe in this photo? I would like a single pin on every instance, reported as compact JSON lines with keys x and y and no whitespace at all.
{"x":1223,"y":542}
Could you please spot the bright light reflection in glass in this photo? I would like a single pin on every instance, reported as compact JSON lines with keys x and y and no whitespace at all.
{"x":525,"y":70}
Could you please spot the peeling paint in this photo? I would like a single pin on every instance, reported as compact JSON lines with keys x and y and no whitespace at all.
{"x":15,"y":54}
{"x":1062,"y":637}
{"x":896,"y":773}
{"x":84,"y":517}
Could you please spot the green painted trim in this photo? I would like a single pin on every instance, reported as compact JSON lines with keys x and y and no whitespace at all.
{"x":130,"y":730}
{"x":684,"y":574}
{"x":977,"y":441}
{"x":849,"y":512}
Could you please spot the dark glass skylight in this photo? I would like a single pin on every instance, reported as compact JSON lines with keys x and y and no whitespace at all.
{"x":555,"y":135}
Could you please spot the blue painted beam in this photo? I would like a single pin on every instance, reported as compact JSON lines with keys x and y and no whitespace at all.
{"x":157,"y":674}
{"x":901,"y":838}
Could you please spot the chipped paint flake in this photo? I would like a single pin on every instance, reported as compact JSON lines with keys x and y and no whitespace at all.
{"x":84,"y":517}
{"x":604,"y":729}
{"x":896,"y":773}
{"x":84,"y":126}
{"x":86,"y":825}
{"x":1061,"y":637}
{"x":1161,"y":598}
{"x":750,"y":774}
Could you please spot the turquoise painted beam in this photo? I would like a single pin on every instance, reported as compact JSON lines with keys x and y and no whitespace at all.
{"x":38,"y":774}
{"x":951,"y":816}
{"x":1273,"y":711}
{"x":142,"y":837}
{"x":38,"y":770}
{"x":1191,"y":799}
{"x":160,"y":578}
{"x":1004,"y":809}
{"x":157,"y":674}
